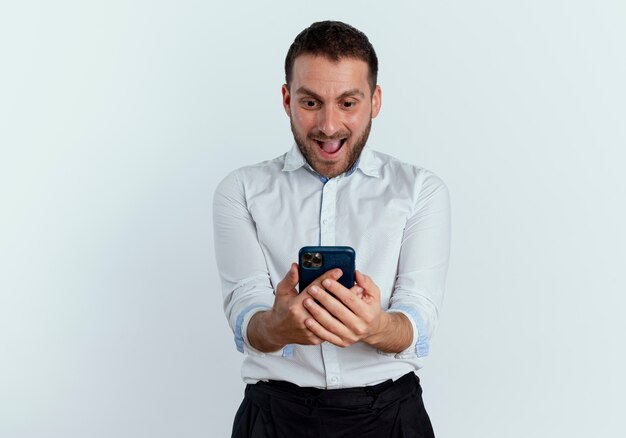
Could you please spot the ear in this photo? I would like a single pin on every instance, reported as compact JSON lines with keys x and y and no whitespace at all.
{"x":286,"y":99}
{"x":377,"y":100}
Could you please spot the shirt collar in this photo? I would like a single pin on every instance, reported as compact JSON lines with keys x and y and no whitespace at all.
{"x":368,"y":163}
{"x":294,"y":159}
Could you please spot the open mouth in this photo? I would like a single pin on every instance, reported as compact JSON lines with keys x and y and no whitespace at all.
{"x":331,"y":146}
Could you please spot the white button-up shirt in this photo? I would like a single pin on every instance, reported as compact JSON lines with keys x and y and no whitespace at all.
{"x":395,"y":215}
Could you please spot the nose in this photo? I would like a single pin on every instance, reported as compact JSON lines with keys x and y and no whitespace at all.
{"x":328,"y":121}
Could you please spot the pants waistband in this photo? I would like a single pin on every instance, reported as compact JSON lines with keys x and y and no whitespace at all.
{"x":371,"y":396}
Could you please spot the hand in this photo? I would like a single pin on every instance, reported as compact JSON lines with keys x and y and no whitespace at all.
{"x":350,"y":316}
{"x":285,"y":322}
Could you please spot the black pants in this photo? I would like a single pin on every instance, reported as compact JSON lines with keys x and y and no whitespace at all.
{"x":283,"y":410}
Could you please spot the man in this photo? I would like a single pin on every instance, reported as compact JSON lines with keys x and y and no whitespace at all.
{"x":331,"y":361}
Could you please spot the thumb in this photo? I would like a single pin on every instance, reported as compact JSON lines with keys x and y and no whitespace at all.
{"x":363,"y":280}
{"x":369,"y":287}
{"x":360,"y":278}
{"x":287,"y":285}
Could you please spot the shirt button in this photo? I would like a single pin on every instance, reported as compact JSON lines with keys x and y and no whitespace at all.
{"x":334,"y":379}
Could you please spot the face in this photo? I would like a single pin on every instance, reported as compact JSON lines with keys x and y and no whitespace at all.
{"x":331,"y":107}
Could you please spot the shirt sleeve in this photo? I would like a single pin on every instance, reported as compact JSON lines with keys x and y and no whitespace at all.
{"x":423,"y":263}
{"x":246,"y":285}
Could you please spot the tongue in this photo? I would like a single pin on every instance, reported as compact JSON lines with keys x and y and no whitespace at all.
{"x":331,"y":147}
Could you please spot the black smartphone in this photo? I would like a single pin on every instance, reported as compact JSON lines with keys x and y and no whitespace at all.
{"x":313,"y":261}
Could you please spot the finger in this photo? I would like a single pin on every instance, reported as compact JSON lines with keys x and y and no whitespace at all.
{"x":347,"y":297}
{"x":357,"y":290}
{"x":335,"y":307}
{"x":333,"y":274}
{"x":322,"y":333}
{"x":310,"y":338}
{"x":287,"y":285}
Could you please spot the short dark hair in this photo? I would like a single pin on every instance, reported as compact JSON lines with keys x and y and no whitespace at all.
{"x":334,"y":40}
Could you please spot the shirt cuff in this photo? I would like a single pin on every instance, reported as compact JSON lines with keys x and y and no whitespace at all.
{"x":241,"y":333}
{"x":241,"y":328}
{"x":419,"y":345}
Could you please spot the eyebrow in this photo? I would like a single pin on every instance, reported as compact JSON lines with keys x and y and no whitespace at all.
{"x":348,"y":93}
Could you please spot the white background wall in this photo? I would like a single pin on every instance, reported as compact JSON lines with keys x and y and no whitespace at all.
{"x":118,"y":118}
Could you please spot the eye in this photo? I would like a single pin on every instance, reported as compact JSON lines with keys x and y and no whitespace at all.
{"x":348,"y":104}
{"x":309,"y":103}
